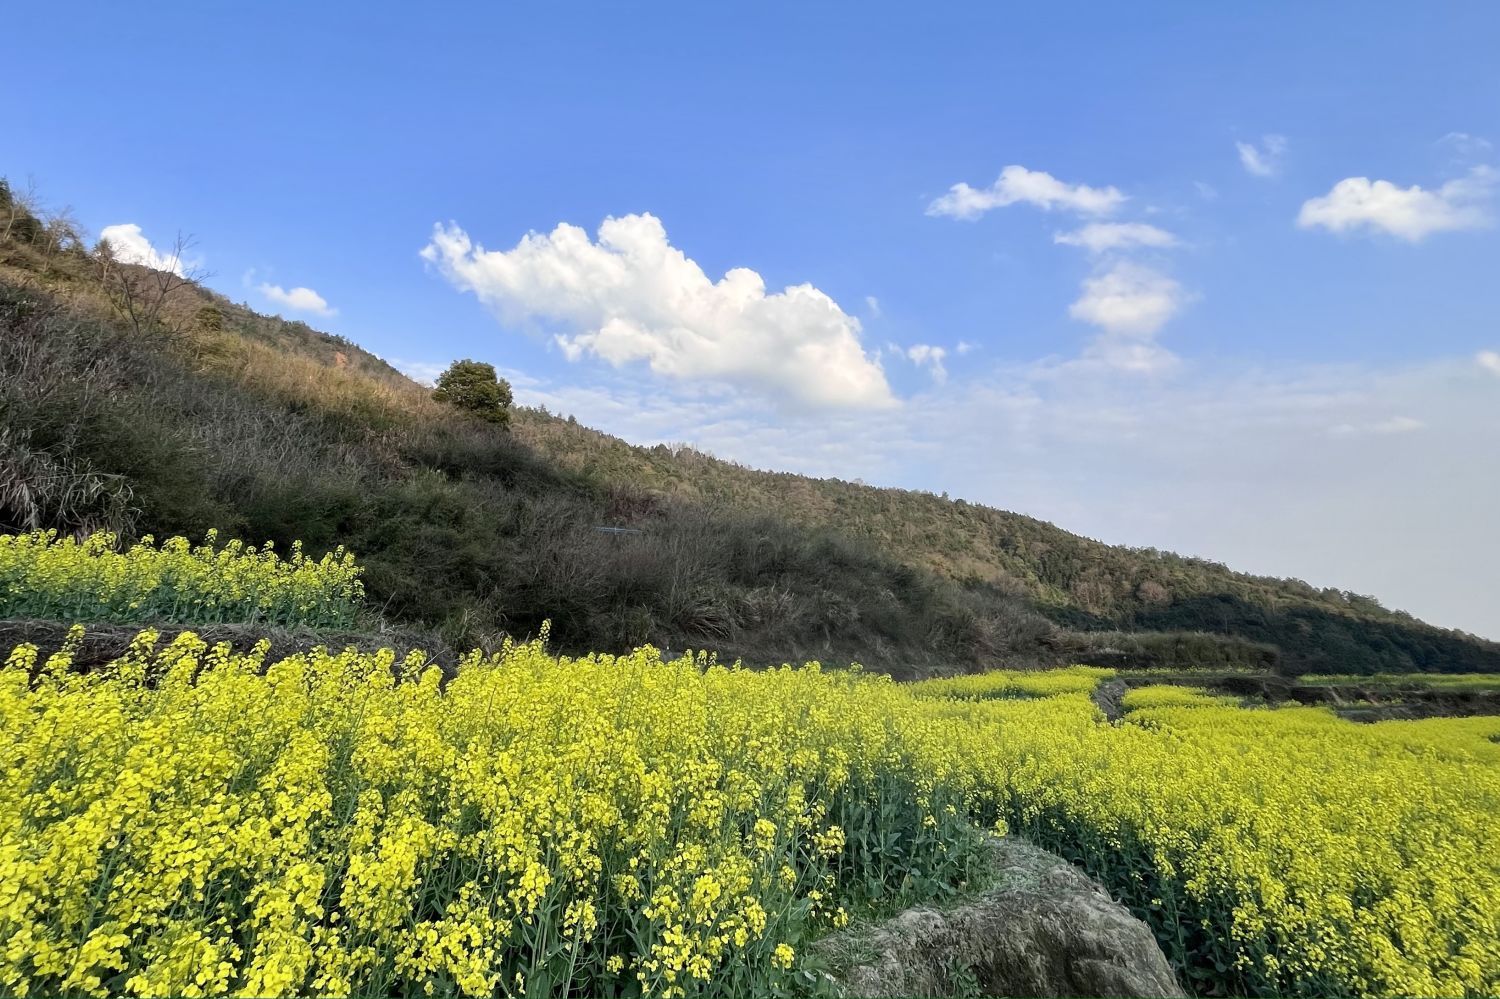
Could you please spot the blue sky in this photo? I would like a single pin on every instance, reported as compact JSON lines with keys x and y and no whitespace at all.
{"x":1292,"y":370}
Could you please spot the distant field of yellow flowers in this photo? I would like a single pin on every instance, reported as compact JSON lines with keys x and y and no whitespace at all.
{"x":43,"y":575}
{"x":192,"y":821}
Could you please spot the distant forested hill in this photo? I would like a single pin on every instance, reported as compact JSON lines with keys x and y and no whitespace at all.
{"x":130,"y":402}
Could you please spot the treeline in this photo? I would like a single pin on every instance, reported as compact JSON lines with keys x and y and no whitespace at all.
{"x":144,"y":405}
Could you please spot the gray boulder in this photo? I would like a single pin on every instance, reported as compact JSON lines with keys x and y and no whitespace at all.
{"x":1042,"y":929}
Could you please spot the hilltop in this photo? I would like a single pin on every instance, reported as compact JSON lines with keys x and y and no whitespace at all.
{"x":205,"y":414}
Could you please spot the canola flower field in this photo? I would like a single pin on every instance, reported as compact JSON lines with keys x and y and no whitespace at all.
{"x":1458,"y":682}
{"x":43,"y":575}
{"x":192,"y":821}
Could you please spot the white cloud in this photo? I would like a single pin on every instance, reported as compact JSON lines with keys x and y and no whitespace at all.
{"x":1128,"y":299}
{"x":964,"y":347}
{"x":1205,"y":191}
{"x":930,"y":357}
{"x":1489,"y":360}
{"x":1397,"y":425}
{"x":297,"y":299}
{"x":1034,"y":187}
{"x":632,"y":296}
{"x":1263,"y":160}
{"x":1465,"y":144}
{"x":1391,"y":425}
{"x":425,"y":372}
{"x":1410,"y":213}
{"x":1130,"y":303}
{"x":1100,"y":237}
{"x":130,"y":246}
{"x":1125,"y":354}
{"x":873,"y":304}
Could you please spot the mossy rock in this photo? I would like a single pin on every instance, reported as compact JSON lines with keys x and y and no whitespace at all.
{"x":1042,"y":928}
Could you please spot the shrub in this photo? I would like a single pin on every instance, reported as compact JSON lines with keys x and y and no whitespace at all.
{"x":474,"y":387}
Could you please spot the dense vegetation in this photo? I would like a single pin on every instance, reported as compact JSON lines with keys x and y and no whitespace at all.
{"x":193,"y":822}
{"x":186,"y":820}
{"x":44,"y":576}
{"x":139,"y":404}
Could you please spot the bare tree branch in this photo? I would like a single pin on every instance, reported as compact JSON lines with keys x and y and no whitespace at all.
{"x":139,"y":292}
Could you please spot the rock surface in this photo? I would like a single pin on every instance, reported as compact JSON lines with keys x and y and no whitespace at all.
{"x":1110,"y":697}
{"x":1044,"y":929}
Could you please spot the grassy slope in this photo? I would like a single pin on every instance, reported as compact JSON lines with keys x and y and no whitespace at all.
{"x":270,"y":429}
{"x":1075,"y":581}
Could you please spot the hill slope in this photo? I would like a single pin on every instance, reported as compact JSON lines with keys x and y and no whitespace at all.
{"x":210,"y":415}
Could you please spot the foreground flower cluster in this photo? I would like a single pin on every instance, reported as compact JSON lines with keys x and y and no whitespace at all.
{"x":1275,"y":851}
{"x":189,"y":822}
{"x":192,"y":821}
{"x":46,"y":576}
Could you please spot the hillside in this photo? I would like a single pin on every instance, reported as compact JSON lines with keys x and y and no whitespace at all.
{"x":205,"y":414}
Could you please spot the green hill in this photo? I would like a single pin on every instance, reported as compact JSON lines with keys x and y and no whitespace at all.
{"x":200,"y":413}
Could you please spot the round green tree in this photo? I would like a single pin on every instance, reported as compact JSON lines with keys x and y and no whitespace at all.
{"x":474,"y":387}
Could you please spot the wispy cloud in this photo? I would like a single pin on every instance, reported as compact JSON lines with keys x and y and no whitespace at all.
{"x":1101,"y":237}
{"x":930,"y":357}
{"x":1263,"y":160}
{"x":1390,"y":425}
{"x":425,"y":372}
{"x":1018,"y":185}
{"x":1465,"y":145}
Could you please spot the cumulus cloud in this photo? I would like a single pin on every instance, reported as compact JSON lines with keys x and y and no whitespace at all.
{"x":1263,"y":160}
{"x":130,"y":246}
{"x":632,"y":297}
{"x":1489,"y":360}
{"x":1032,"y":187}
{"x":930,"y":357}
{"x":1101,"y":237}
{"x":297,"y":299}
{"x":964,"y":347}
{"x":1409,"y":213}
{"x":1130,"y":302}
{"x":873,"y":304}
{"x":1128,"y":299}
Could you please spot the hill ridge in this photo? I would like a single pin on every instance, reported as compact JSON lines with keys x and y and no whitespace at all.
{"x":217,"y":416}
